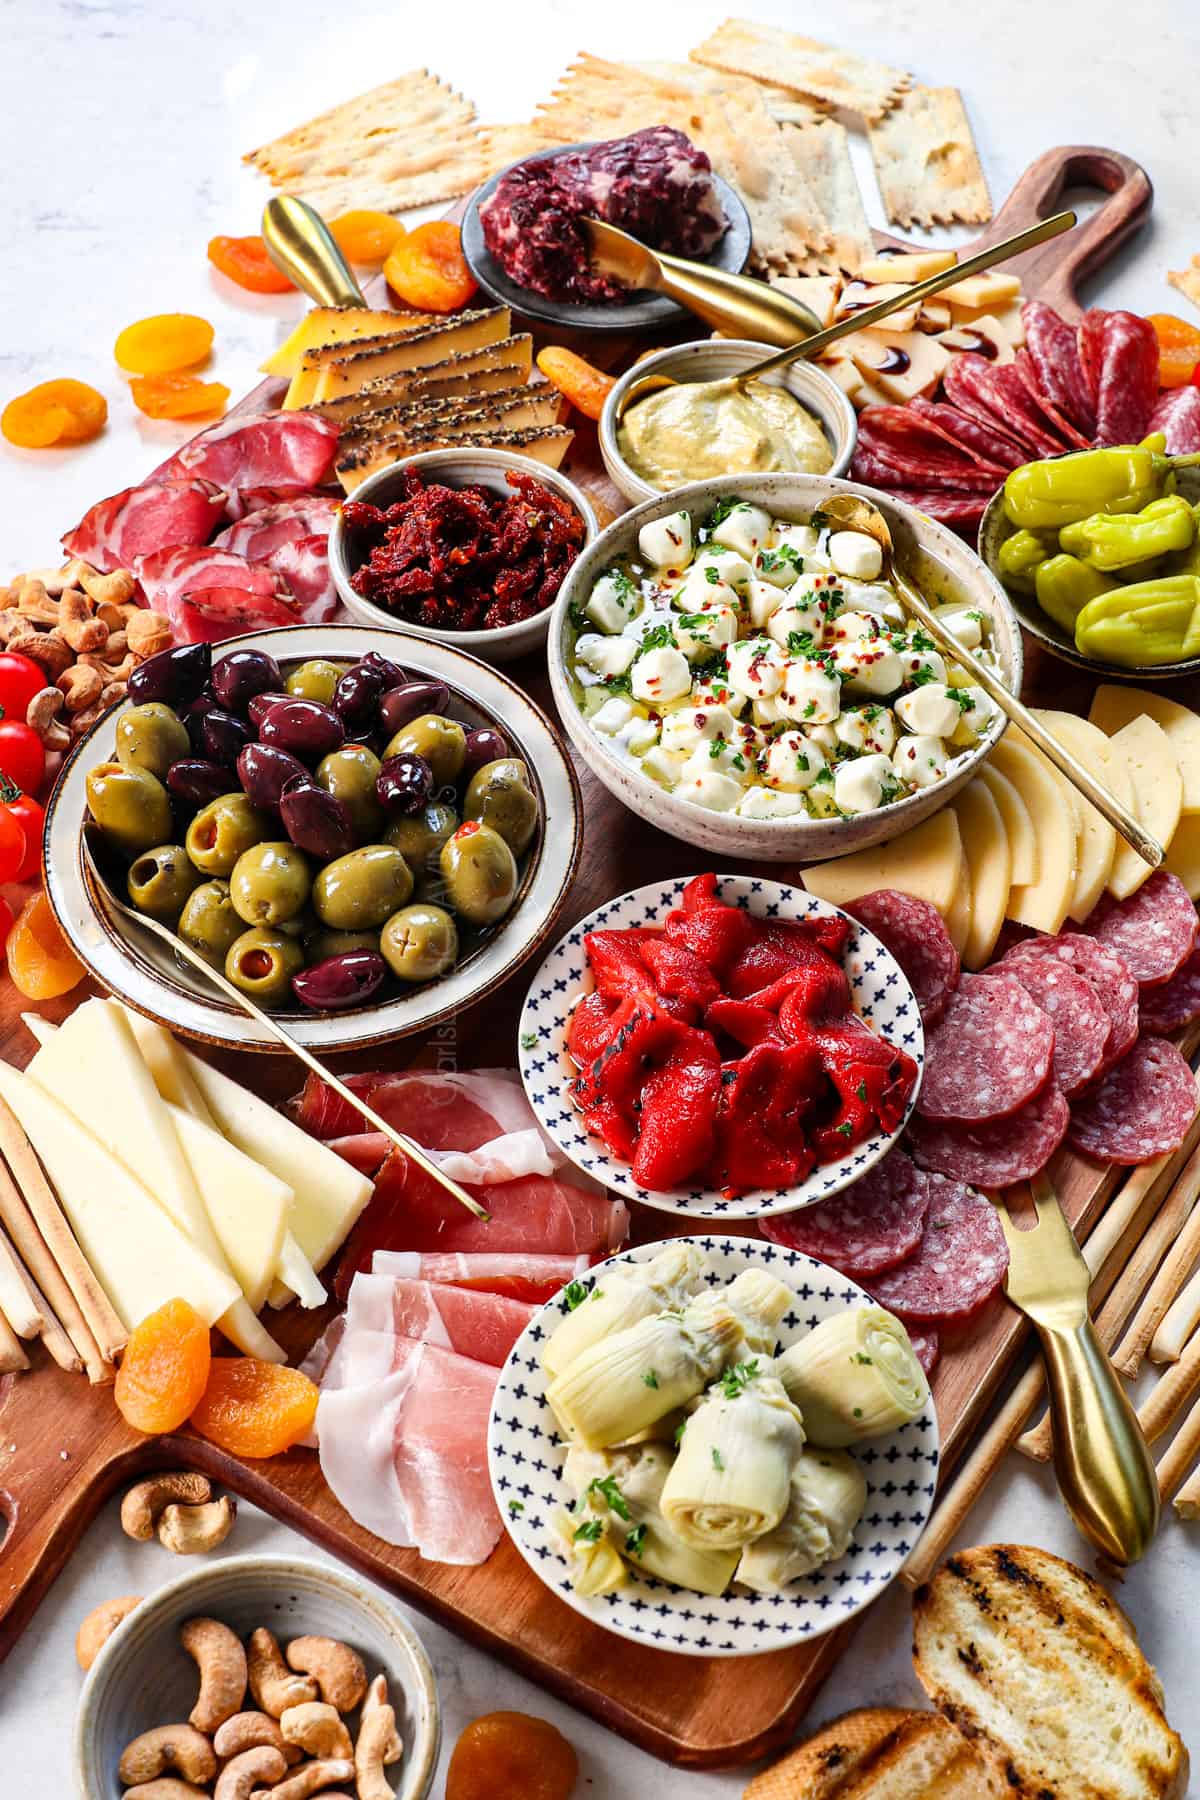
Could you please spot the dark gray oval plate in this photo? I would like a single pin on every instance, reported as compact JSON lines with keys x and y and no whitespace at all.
{"x":645,"y":310}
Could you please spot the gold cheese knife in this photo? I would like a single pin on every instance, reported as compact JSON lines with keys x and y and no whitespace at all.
{"x":301,"y":245}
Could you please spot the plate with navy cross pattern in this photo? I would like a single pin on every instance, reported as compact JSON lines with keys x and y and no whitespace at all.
{"x":879,"y":993}
{"x":526,"y":1454}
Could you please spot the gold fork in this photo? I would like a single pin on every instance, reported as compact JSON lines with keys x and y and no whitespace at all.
{"x":1104,"y":1469}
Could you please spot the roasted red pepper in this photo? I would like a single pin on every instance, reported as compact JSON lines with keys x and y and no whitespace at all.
{"x":766,"y":1097}
{"x":747,"y":1022}
{"x":872,"y":1079}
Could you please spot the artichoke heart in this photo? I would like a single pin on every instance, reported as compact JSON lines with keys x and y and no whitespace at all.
{"x":730,"y":1482}
{"x":596,"y":1565}
{"x":854,"y":1377}
{"x":828,"y":1494}
{"x":634,"y":1479}
{"x":621,"y":1298}
{"x":757,"y":1301}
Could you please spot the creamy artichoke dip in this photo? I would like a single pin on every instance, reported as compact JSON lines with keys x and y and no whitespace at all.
{"x":702,"y":428}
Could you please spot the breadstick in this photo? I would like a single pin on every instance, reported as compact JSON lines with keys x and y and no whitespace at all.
{"x":1171,"y":1392}
{"x":1187,"y":1500}
{"x":60,"y":1346}
{"x":1171,"y":1277}
{"x":16,"y":1302}
{"x":1178,"y":1324}
{"x":12,"y":1358}
{"x":1181,"y":1453}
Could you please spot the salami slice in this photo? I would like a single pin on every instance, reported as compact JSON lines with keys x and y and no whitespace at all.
{"x":1075,"y":1010}
{"x":1153,"y":931}
{"x":988,"y":443}
{"x":1090,"y":338}
{"x":918,"y":460}
{"x":927,"y":1347}
{"x":962,"y":512}
{"x":1054,"y":415}
{"x":914,"y":932}
{"x":1141,"y":1108}
{"x":1000,"y":1151}
{"x":960,"y":1263}
{"x":971,"y":382}
{"x":1054,"y":349}
{"x":915,"y":432}
{"x":866,"y":1228}
{"x":944,"y":484}
{"x":1173,"y":1004}
{"x":1128,"y":379}
{"x":1177,"y":416}
{"x":1107,"y":973}
{"x":990,"y":1053}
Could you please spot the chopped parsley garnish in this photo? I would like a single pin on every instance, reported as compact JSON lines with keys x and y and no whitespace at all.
{"x":576,"y":1293}
{"x":693,"y":621}
{"x":717,"y":1461}
{"x":712,"y":574}
{"x":618,"y":684}
{"x":922,"y":677}
{"x":577,"y":616}
{"x":826,"y":775}
{"x":590,"y":1532}
{"x":810,"y":709}
{"x":785,"y":556}
{"x":737,"y":1378}
{"x":963,"y":698}
{"x":844,"y":1129}
{"x":529,"y":1040}
{"x":610,"y":1493}
{"x":801,"y":643}
{"x":679,"y":1431}
{"x":515,"y":1508}
{"x":717,"y":748}
{"x":858,"y":1412}
{"x":624,"y":583}
{"x":861,"y":1091}
{"x":921,"y":640}
{"x":859,"y":1357}
{"x":658,"y":637}
{"x":650,"y":1378}
{"x":635,"y":1540}
{"x":722,"y":510}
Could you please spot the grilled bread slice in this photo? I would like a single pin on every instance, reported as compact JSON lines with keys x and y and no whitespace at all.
{"x":1033,"y":1660}
{"x":862,"y":1757}
{"x":820,"y":1767}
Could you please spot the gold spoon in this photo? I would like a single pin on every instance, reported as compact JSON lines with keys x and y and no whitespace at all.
{"x":851,"y":513}
{"x":873,"y":315}
{"x":91,"y":843}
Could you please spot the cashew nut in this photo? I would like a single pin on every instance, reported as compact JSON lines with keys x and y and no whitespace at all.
{"x":177,"y":1747}
{"x":248,"y":1731}
{"x":77,"y":625}
{"x":168,"y":1788}
{"x":42,"y":716}
{"x":337,"y":1669}
{"x":190,"y":1530}
{"x":308,"y":1779}
{"x":35,"y":604}
{"x":219,"y":1656}
{"x":48,"y":649}
{"x":379,"y":1743}
{"x":108,"y":590}
{"x":144,"y":1502}
{"x":81,"y":686}
{"x":147,"y":633}
{"x":273,"y":1687}
{"x":240,"y":1777}
{"x":99,"y":1626}
{"x":317,"y":1728}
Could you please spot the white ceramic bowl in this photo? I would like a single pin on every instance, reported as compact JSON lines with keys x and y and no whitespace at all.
{"x":526,"y":1457}
{"x":944,"y":567}
{"x":142,"y":1677}
{"x":714,"y":359}
{"x":456,"y":468}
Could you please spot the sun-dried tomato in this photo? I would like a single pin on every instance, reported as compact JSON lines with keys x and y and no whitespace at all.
{"x":245,"y":261}
{"x":54,"y":412}
{"x":178,"y":396}
{"x":163,"y":344}
{"x":586,"y":387}
{"x":428,"y":270}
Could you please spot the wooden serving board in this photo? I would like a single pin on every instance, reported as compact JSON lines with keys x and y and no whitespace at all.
{"x":64,"y":1449}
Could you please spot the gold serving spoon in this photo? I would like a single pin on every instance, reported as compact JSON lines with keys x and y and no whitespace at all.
{"x":849,"y":512}
{"x":1105,"y":1472}
{"x":92,"y":843}
{"x":301,"y":245}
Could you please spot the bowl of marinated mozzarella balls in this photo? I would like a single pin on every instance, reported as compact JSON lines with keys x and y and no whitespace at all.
{"x":740,"y":673}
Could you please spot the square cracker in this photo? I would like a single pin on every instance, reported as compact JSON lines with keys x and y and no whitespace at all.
{"x":1187,"y":280}
{"x":822,"y":153}
{"x":837,"y":77}
{"x":926,"y":161}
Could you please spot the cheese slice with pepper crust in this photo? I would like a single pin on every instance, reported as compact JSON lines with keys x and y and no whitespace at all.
{"x":343,"y":371}
{"x":326,"y":325}
{"x":546,"y":444}
{"x":455,"y":418}
{"x":492,"y":370}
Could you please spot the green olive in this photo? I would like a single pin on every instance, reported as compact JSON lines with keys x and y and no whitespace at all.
{"x":223,"y":830}
{"x":300,"y":926}
{"x":349,"y":775}
{"x":161,"y":880}
{"x":151,"y":737}
{"x":442,"y":742}
{"x":480,"y":873}
{"x":314,"y":681}
{"x":499,"y":795}
{"x":321,"y":944}
{"x":270,"y":883}
{"x":362,"y":888}
{"x":208,"y":922}
{"x":262,"y":962}
{"x":131,"y":806}
{"x":420,"y":838}
{"x":419,"y":942}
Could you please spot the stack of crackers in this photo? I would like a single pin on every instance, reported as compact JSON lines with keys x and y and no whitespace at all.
{"x":772,"y":110}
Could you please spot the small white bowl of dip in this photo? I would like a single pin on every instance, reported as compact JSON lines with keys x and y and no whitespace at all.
{"x":695,"y":454}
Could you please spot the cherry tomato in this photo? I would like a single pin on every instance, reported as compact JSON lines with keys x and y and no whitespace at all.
{"x":245,"y":261}
{"x":33,"y":818}
{"x":22,"y":758}
{"x":20,"y":680}
{"x":12,"y":845}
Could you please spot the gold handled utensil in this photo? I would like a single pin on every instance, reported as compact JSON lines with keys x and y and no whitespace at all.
{"x":1105,"y":1472}
{"x":851,"y":513}
{"x":95,"y":865}
{"x":301,"y":245}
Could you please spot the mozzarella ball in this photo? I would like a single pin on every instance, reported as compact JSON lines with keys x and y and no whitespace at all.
{"x":613,"y":601}
{"x":964,"y":623}
{"x":761,"y":601}
{"x":667,"y":542}
{"x":690,"y":725}
{"x":976,"y":710}
{"x":702,"y":590}
{"x":756,"y":668}
{"x":764,"y":803}
{"x":825,"y":737}
{"x":803,"y":539}
{"x":869,"y":597}
{"x":868,"y":728}
{"x":871,"y":664}
{"x":660,"y":674}
{"x":743,"y":529}
{"x":730,"y":566}
{"x":607,"y":656}
{"x":849,"y":627}
{"x":715,"y":690}
{"x":778,"y":564}
{"x":699,"y":634}
{"x":805,"y":617}
{"x":859,"y":786}
{"x":854,"y":553}
{"x":663,"y":765}
{"x":774,"y":711}
{"x":613,"y":714}
{"x":707,"y":787}
{"x":921,"y":665}
{"x":638,"y":735}
{"x":930,"y":710}
{"x":793,"y":762}
{"x":813,"y":692}
{"x":920,"y":760}
{"x":724,"y":758}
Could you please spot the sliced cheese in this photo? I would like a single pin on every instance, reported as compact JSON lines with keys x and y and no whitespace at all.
{"x":989,"y":289}
{"x":989,"y":864}
{"x":347,"y":372}
{"x":140,"y":1257}
{"x":859,"y":296}
{"x":1183,"y":858}
{"x":297,"y":1279}
{"x":901,"y":364}
{"x":818,"y":292}
{"x":1018,"y":826}
{"x":1097,"y":838}
{"x":935,"y":315}
{"x":547,"y":444}
{"x":911,"y":266}
{"x":984,"y":335}
{"x":958,"y":917}
{"x":926,"y":861}
{"x":844,"y":373}
{"x":247,"y":1205}
{"x":1113,"y":707}
{"x":1157,"y":796}
{"x":491,"y":370}
{"x":326,"y":325}
{"x":452,"y":419}
{"x":1043,"y":903}
{"x":1006,"y":319}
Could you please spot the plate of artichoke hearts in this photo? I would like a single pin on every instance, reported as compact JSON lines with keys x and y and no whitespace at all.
{"x":714,"y":1445}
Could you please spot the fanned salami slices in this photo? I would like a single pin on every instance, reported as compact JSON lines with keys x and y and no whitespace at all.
{"x":1074,"y":1008}
{"x":1128,"y":379}
{"x":973,"y":383}
{"x":1054,"y":350}
{"x":1153,"y":931}
{"x":1090,"y":338}
{"x":918,"y":455}
{"x":1142,"y":1107}
{"x":990,"y":1053}
{"x":916,"y":935}
{"x":960,"y":1263}
{"x":963,"y":490}
{"x":1115,"y":986}
{"x":988,"y":443}
{"x":999,"y":1151}
{"x":1177,"y":416}
{"x":1055,"y":417}
{"x":866,"y":1228}
{"x":1173,"y":1004}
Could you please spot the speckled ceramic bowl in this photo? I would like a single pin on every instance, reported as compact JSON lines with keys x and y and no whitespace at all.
{"x":715,"y":359}
{"x":942,"y":564}
{"x":142,"y":1678}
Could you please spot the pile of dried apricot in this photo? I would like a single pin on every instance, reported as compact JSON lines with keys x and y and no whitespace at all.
{"x":253,"y":1408}
{"x":366,"y":237}
{"x":54,"y":412}
{"x":428,"y":270}
{"x":164,"y":1370}
{"x":40,"y":961}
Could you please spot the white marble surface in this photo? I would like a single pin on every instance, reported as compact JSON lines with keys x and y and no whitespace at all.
{"x":125,"y":122}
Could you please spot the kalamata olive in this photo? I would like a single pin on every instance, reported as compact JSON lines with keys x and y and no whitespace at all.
{"x":175,"y":676}
{"x":315,"y":821}
{"x":345,"y":980}
{"x":223,"y":736}
{"x":258,"y":708}
{"x":393,"y":674}
{"x":264,"y":771}
{"x":305,"y":727}
{"x":356,"y":697}
{"x":400,"y":706}
{"x":196,"y":781}
{"x":483,"y":746}
{"x":239,"y":676}
{"x":404,"y":784}
{"x":193,"y":716}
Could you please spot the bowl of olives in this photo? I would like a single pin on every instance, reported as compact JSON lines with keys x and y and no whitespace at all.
{"x":362,"y":845}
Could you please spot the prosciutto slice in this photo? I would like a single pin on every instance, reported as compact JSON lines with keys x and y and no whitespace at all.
{"x":211,"y":594}
{"x":443,"y":1111}
{"x":258,"y":535}
{"x":210,"y":615}
{"x":530,"y":1278}
{"x":484,"y":1326}
{"x":265,"y":450}
{"x":244,"y":501}
{"x":140,"y":520}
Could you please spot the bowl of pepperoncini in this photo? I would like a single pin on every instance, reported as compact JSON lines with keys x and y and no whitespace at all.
{"x":1099,"y":552}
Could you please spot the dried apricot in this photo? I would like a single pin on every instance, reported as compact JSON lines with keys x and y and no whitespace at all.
{"x":586,"y":387}
{"x":511,"y":1756}
{"x":177,"y":396}
{"x":54,"y":412}
{"x":253,"y":1408}
{"x":164,"y":343}
{"x":164,"y":1370}
{"x":40,"y":961}
{"x":366,"y":237}
{"x":1178,"y":348}
{"x":245,"y":261}
{"x":428,"y":270}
